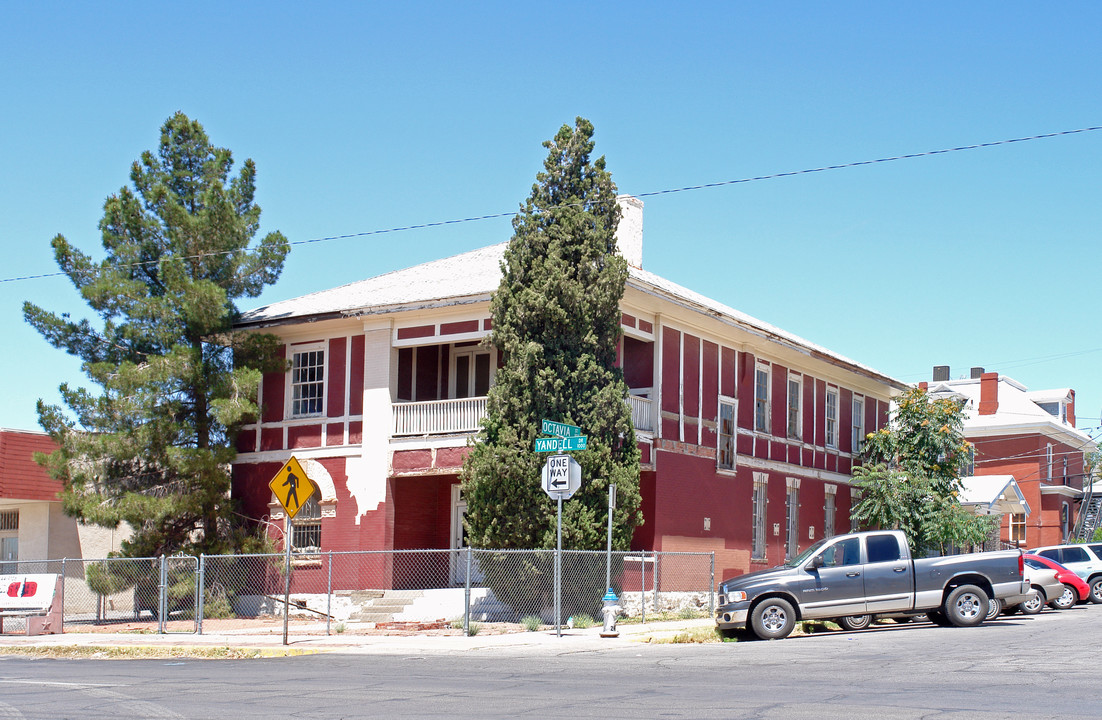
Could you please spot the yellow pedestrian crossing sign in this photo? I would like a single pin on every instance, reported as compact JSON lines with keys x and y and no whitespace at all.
{"x":291,"y":487}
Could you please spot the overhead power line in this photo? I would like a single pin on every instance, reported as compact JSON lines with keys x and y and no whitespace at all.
{"x":654,"y":193}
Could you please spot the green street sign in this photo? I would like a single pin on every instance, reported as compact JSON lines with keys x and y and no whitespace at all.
{"x":561,"y":444}
{"x":549,"y":427}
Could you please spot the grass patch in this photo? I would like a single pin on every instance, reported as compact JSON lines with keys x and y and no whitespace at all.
{"x":693,"y":636}
{"x":812,"y":627}
{"x":103,"y":652}
{"x":531,"y":623}
{"x":583,"y":621}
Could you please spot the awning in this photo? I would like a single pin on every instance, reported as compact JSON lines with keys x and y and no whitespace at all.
{"x":993,"y":495}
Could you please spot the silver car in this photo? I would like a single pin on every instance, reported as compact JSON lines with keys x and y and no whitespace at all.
{"x":1083,"y":560}
{"x":1043,"y":589}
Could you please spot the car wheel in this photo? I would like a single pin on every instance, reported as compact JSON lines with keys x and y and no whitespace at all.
{"x":1096,"y":590}
{"x":994,"y":608}
{"x":1034,"y":603}
{"x":855,"y":622}
{"x":773,"y":619}
{"x":1068,"y":599}
{"x":966,"y":606}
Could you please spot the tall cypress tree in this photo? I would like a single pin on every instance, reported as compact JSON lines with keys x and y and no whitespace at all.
{"x":153,"y":448}
{"x":556,"y":325}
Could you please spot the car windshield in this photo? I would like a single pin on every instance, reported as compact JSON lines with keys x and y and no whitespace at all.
{"x":1036,"y":564}
{"x":802,"y":557}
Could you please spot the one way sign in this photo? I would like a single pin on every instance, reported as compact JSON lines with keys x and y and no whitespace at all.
{"x":562,"y":476}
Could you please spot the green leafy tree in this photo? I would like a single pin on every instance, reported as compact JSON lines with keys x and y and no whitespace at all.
{"x":910,"y":479}
{"x":556,"y":324}
{"x":153,"y":447}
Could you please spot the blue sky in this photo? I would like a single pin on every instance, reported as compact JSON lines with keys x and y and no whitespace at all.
{"x":364,"y":117}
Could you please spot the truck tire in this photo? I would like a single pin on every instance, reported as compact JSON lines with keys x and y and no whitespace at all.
{"x":855,"y":622}
{"x":773,"y":619}
{"x":994,"y":608}
{"x":966,"y":606}
{"x":938,"y":618}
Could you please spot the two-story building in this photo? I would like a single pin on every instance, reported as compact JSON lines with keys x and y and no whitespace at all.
{"x":1027,"y":438}
{"x":748,"y":433}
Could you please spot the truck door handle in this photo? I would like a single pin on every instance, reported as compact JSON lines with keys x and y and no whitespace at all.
{"x":902,"y":569}
{"x":853,"y":574}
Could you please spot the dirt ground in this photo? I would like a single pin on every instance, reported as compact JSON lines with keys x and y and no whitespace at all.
{"x":274,"y":626}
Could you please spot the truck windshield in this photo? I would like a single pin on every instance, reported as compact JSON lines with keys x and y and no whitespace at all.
{"x":802,"y":557}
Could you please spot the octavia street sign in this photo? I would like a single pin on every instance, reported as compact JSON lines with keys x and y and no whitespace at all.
{"x":549,"y":427}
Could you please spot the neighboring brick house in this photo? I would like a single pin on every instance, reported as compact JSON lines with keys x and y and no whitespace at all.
{"x":747,"y":432}
{"x":1031,"y":437}
{"x":33,"y":525}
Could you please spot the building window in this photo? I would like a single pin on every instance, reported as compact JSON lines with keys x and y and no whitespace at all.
{"x":472,"y":373}
{"x":830,"y":510}
{"x":306,"y":527}
{"x":761,"y":399}
{"x":725,"y":454}
{"x":794,"y":415}
{"x":308,"y":381}
{"x":832,"y":418}
{"x":858,"y":425}
{"x":1048,"y":462}
{"x":757,"y":543}
{"x":792,"y":516}
{"x":9,"y":541}
{"x":968,"y":462}
{"x":1017,"y":528}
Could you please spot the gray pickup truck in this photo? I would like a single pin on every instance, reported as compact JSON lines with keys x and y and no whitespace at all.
{"x":850,"y":578}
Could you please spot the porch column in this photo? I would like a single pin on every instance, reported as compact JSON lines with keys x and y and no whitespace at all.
{"x":367,"y":474}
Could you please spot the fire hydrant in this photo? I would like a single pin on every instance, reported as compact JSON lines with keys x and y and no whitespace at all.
{"x":611,"y":609}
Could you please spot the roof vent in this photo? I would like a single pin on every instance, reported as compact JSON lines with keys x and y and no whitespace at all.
{"x":941,"y":373}
{"x":976,"y":373}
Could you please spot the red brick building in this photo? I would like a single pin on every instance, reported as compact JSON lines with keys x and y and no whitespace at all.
{"x":747,"y":432}
{"x":1030,"y":436}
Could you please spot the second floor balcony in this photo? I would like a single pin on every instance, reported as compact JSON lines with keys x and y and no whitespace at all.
{"x":447,"y":417}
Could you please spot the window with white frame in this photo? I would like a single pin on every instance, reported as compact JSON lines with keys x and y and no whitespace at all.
{"x":1017,"y":528}
{"x":1048,"y":462}
{"x":757,"y":542}
{"x":308,"y":380}
{"x":830,"y":510}
{"x":761,"y":399}
{"x":9,"y":541}
{"x":858,"y":440}
{"x":795,"y":416}
{"x":306,"y":527}
{"x":832,"y":417}
{"x":792,"y":517}
{"x":725,"y":452}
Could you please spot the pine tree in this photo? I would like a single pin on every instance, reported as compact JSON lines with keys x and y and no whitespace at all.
{"x":153,"y":448}
{"x":556,"y":324}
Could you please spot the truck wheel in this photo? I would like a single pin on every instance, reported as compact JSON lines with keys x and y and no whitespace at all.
{"x":1035,"y":603}
{"x":1096,"y":589}
{"x":994,"y":607}
{"x":1066,"y":600}
{"x":937,"y":617}
{"x":855,"y":622}
{"x":773,"y":619}
{"x":966,"y":606}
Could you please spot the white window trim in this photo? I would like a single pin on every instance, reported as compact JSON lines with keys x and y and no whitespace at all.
{"x":763,"y":368}
{"x":830,"y":510}
{"x":830,"y":439}
{"x":759,"y":511}
{"x":857,"y":424}
{"x":296,"y":349}
{"x":792,"y":517}
{"x":733,"y":404}
{"x":798,"y":380}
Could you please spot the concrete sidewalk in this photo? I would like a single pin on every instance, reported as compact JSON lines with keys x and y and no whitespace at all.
{"x":542,"y":641}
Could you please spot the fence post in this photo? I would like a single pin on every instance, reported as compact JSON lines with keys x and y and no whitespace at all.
{"x":63,"y":595}
{"x":162,"y":601}
{"x":712,"y":587}
{"x":329,"y":595}
{"x":201,"y":581}
{"x":467,"y":596}
{"x":656,"y":576}
{"x":643,"y":586}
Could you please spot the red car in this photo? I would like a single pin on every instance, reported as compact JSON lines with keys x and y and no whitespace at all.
{"x":1075,"y":590}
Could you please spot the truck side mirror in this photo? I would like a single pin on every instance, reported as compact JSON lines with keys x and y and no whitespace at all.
{"x":816,"y":563}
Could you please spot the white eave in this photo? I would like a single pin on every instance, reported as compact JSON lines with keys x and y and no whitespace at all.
{"x":993,"y":495}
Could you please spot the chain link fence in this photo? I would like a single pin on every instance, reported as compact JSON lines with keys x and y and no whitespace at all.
{"x":349,"y":591}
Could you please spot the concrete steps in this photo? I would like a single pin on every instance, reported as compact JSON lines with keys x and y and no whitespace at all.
{"x":381,"y":606}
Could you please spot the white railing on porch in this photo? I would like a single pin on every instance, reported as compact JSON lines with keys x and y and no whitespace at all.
{"x":437,"y":417}
{"x":641,"y":415}
{"x":440,"y":417}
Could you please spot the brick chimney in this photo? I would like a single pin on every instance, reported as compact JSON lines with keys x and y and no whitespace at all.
{"x":989,"y":393}
{"x":1071,"y":408}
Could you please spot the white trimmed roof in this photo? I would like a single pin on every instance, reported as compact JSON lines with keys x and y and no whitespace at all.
{"x":473,"y":277}
{"x":993,"y":494}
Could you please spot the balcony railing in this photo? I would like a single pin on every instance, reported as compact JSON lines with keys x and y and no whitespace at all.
{"x":442,"y":417}
{"x":438,"y":417}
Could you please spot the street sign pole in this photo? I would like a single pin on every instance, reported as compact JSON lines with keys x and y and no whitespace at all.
{"x":287,"y":577}
{"x":608,"y":559}
{"x":558,"y":575}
